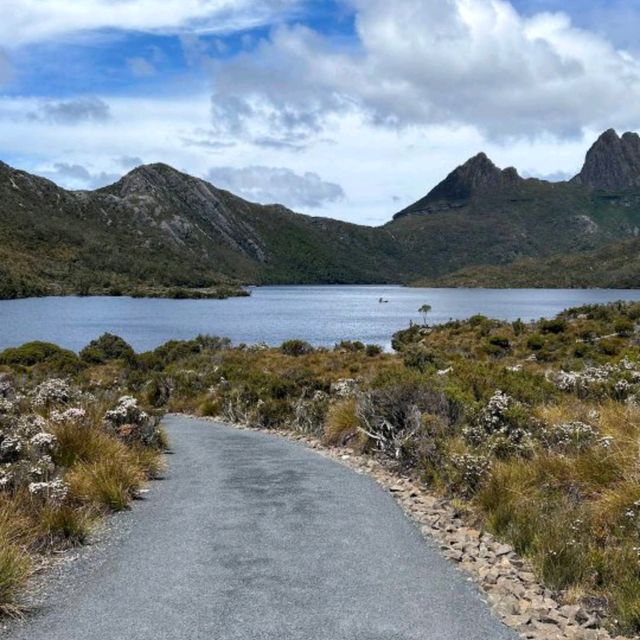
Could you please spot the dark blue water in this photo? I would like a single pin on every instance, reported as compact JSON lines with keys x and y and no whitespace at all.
{"x":322,"y":315}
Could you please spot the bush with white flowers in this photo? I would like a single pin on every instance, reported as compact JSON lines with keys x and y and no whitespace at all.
{"x":503,"y":427}
{"x":26,"y":449}
{"x":130,"y":423}
{"x":53,"y":392}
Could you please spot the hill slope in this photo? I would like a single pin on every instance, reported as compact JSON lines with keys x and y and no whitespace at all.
{"x":614,"y":266}
{"x":162,"y":228}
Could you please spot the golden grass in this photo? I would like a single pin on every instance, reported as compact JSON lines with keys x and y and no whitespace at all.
{"x":576,"y":519}
{"x":110,"y":482}
{"x":69,"y":525}
{"x":16,"y":535}
{"x":210,"y":408}
{"x":150,"y":461}
{"x":81,"y":443}
{"x":341,"y":423}
{"x":164,"y":443}
{"x":15,"y":568}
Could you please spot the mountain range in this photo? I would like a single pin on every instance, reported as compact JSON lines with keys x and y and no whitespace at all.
{"x":158,"y":229}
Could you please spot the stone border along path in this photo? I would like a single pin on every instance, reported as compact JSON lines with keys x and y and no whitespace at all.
{"x":507,"y":580}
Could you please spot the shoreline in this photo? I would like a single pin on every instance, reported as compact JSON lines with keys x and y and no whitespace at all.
{"x":246,"y":291}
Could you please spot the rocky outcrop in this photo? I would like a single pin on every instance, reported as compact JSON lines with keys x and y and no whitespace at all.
{"x":477,"y":175}
{"x":185,"y":207}
{"x":612,"y":163}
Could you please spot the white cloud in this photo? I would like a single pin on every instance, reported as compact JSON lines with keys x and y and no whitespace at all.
{"x":425,"y":62}
{"x":556,"y":176}
{"x":129,"y":162}
{"x":428,"y":84}
{"x":270,"y":185}
{"x":27,"y":21}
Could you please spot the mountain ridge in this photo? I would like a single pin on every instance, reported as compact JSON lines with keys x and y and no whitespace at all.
{"x":160,"y":228}
{"x":611,"y":164}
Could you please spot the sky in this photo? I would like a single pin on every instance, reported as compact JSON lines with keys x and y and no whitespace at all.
{"x":350,"y":109}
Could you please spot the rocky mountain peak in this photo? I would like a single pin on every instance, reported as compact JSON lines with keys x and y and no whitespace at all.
{"x":612,"y":163}
{"x":148,"y":178}
{"x":476,"y":175}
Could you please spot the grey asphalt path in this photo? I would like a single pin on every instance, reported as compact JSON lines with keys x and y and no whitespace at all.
{"x":253,"y":537}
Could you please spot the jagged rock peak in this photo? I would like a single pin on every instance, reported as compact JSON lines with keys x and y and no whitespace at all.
{"x":612,"y":163}
{"x":476,"y":175}
{"x":156,"y":172}
{"x":150,"y":177}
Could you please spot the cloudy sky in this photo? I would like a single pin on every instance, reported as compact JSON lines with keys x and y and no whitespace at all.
{"x":345,"y":108}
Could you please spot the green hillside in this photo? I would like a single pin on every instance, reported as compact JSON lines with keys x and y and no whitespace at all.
{"x":614,"y":266}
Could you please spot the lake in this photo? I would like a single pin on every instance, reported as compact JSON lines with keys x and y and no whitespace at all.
{"x":323,"y":315}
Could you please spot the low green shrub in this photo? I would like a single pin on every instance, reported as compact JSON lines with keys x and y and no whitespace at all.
{"x":37,"y":353}
{"x":107,"y":347}
{"x":296,"y":348}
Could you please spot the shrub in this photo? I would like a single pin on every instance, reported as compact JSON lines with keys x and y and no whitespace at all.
{"x":478,"y":320}
{"x":272,"y":413}
{"x":469,"y":472}
{"x":500,"y":341}
{"x":555,"y":326}
{"x":421,"y":358}
{"x":518,"y":327}
{"x":157,"y":390}
{"x":41,"y":353}
{"x":503,"y":427}
{"x":296,"y":348}
{"x":373,"y":350}
{"x":107,"y":347}
{"x":624,"y":327}
{"x":535,"y":342}
{"x":392,"y":416}
{"x":610,"y":346}
{"x":350,"y":346}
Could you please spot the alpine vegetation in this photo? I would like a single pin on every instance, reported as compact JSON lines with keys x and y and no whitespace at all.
{"x":529,"y":429}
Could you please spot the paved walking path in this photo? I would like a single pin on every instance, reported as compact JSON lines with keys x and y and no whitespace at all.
{"x":253,"y":537}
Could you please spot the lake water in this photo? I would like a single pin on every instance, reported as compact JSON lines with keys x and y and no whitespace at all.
{"x":323,"y":315}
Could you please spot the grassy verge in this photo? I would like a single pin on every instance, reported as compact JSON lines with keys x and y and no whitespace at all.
{"x":68,"y":456}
